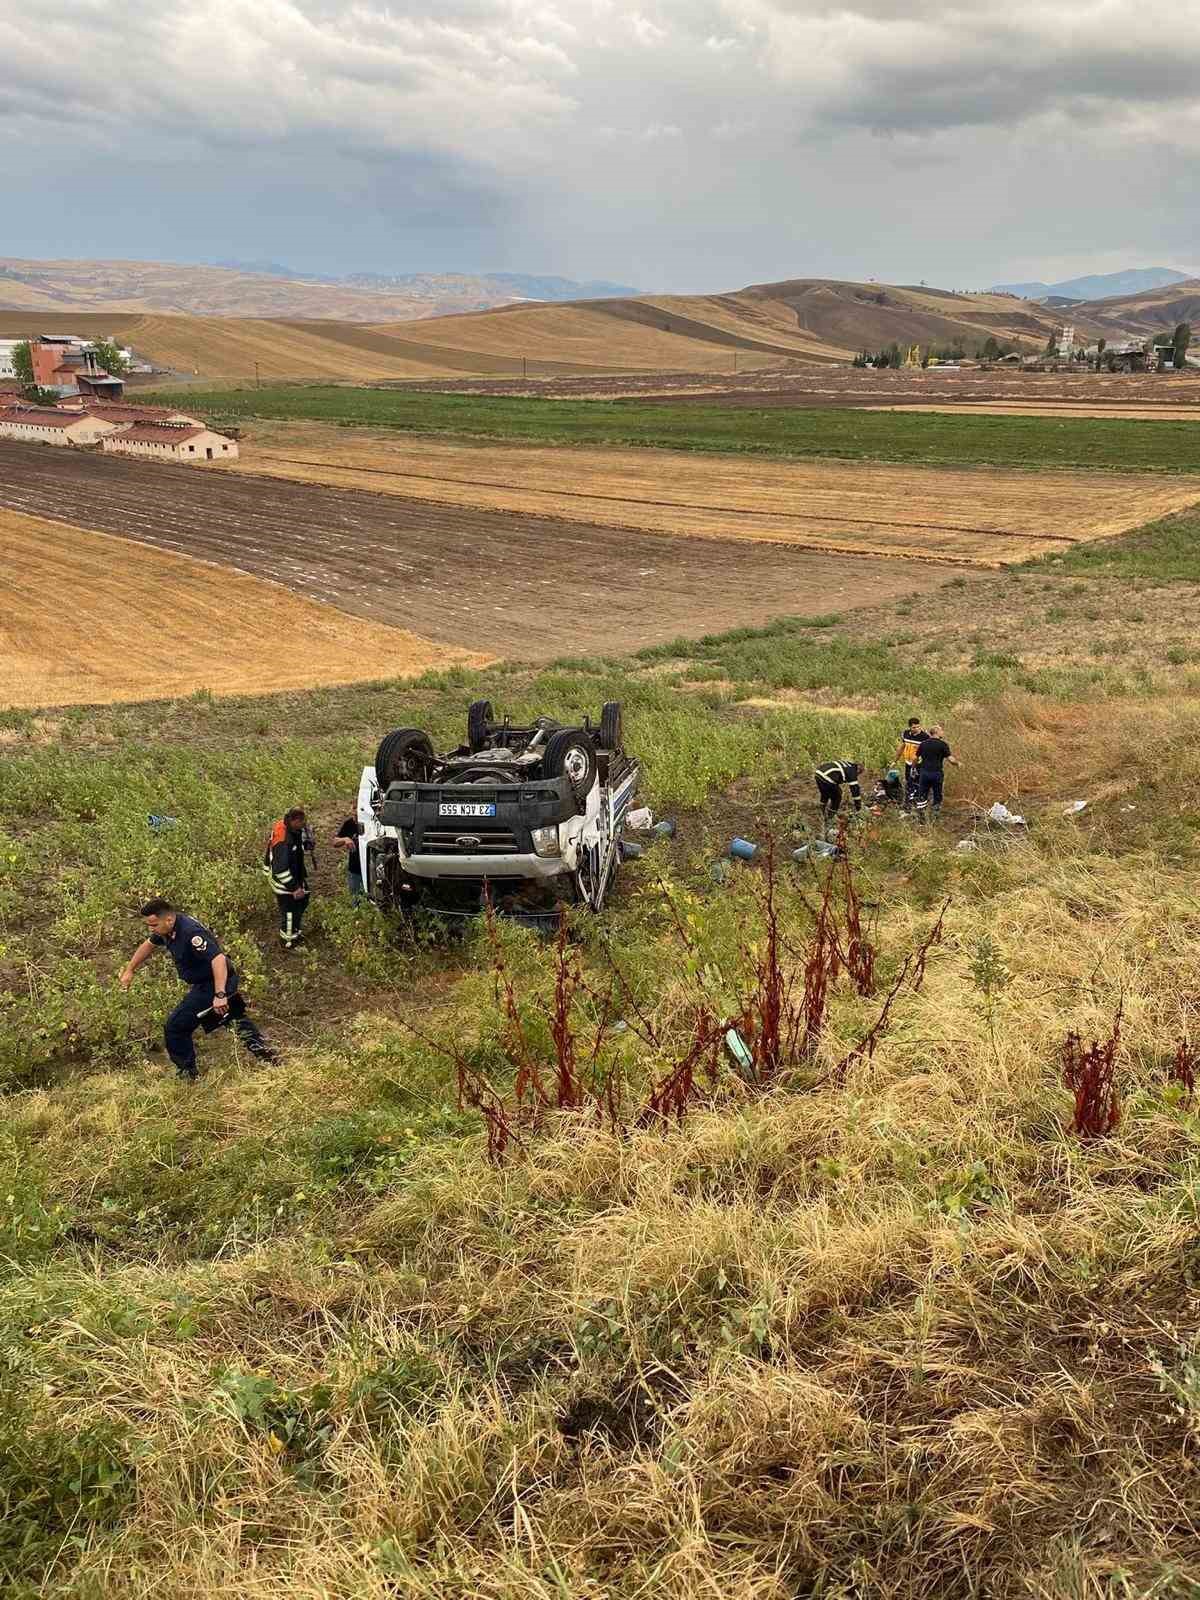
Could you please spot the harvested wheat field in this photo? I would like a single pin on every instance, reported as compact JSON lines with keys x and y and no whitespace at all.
{"x":86,"y":618}
{"x":530,"y":587}
{"x":981,"y":517}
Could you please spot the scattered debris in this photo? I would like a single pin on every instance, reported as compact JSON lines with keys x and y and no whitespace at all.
{"x":720,"y":870}
{"x":159,"y":824}
{"x":741,"y":1052}
{"x":967,"y":844}
{"x":818,"y":848}
{"x":666,"y":828}
{"x":640,"y":820}
{"x":631,"y":851}
{"x":1075,"y":808}
{"x":999,"y":812}
{"x":743,"y":850}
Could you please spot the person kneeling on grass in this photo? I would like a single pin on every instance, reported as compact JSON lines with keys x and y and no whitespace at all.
{"x":212,"y":1000}
{"x":831,"y":777}
{"x":932,"y":756}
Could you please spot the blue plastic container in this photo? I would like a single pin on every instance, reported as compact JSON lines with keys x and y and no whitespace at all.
{"x":665,"y":829}
{"x":743,"y":850}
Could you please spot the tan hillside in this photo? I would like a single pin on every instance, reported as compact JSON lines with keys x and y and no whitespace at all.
{"x":1152,"y":310}
{"x":769,"y":325}
{"x":228,"y":292}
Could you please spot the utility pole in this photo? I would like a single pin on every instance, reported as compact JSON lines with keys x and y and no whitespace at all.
{"x":257,"y":381}
{"x":524,"y":366}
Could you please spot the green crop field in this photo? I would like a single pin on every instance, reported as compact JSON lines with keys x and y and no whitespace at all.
{"x":936,"y":439}
{"x":908,"y":1306}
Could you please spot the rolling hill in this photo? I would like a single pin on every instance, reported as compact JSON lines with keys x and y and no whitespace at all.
{"x":232,"y":291}
{"x":1098,"y":286}
{"x":809,"y":320}
{"x":1149,"y":311}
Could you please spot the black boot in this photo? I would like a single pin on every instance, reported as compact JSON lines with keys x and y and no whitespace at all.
{"x":254,"y":1041}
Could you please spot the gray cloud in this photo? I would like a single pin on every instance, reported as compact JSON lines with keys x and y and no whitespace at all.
{"x":683,"y":143}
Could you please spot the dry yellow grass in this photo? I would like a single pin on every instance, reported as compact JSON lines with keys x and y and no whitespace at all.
{"x":984,"y":517}
{"x":579,"y":335}
{"x":87,"y":618}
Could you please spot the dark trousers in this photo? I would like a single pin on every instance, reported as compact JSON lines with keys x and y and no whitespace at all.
{"x":830,"y":796}
{"x":910,"y":783}
{"x":194,"y":1011}
{"x":929,"y":789}
{"x":291,"y":914}
{"x":354,"y":881}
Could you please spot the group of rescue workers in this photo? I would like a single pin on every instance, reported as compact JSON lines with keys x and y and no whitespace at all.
{"x":214,"y":998}
{"x":915,"y":784}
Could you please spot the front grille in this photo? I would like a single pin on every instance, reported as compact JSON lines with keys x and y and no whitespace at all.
{"x":447,"y":841}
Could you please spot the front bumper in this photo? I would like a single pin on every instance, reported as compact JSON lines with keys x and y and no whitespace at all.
{"x":494,"y":868}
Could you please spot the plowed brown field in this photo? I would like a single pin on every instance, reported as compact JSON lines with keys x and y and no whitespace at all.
{"x":86,"y":618}
{"x":983,"y":517}
{"x":525,"y":586}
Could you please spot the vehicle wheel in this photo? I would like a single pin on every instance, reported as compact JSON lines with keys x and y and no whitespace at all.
{"x":480,"y":718}
{"x":611,"y":726}
{"x":571,"y":753}
{"x":405,"y":755}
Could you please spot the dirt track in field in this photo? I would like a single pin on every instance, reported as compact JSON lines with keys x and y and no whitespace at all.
{"x":87,"y":619}
{"x":532,"y":587}
{"x":976,"y":516}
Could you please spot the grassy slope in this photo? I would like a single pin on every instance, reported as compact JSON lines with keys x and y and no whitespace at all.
{"x":291,"y":1334}
{"x":934,"y":439}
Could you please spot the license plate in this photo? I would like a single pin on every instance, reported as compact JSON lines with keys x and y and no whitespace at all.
{"x":467,"y":808}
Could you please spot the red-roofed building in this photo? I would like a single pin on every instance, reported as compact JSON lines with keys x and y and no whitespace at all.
{"x":48,"y":425}
{"x":124,"y":411}
{"x":169,"y":441}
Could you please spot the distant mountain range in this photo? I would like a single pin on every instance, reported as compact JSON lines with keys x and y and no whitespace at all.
{"x":518,"y":285}
{"x":1099,"y":286}
{"x":270,"y":289}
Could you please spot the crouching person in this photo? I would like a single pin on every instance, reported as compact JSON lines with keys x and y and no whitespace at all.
{"x":212,"y":1000}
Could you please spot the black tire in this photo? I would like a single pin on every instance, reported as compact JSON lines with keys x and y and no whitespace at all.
{"x":480,"y":718}
{"x":612,"y":730}
{"x":570,"y":752}
{"x":403,"y":756}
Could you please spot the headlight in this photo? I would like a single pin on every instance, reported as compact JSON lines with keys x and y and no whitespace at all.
{"x":545,"y":841}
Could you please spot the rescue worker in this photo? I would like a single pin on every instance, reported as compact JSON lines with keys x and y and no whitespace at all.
{"x":285,"y":864}
{"x":213,"y":997}
{"x":346,"y":838}
{"x":831,"y":777}
{"x":906,"y":754}
{"x":932,"y":756}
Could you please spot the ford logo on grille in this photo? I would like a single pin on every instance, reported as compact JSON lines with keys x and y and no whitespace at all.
{"x":468,"y":841}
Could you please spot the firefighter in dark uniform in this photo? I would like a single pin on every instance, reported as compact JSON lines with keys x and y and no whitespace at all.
{"x":285,"y":863}
{"x":831,"y":777}
{"x":212,"y":1000}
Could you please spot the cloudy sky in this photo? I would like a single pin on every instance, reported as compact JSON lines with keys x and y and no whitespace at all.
{"x":673,"y":144}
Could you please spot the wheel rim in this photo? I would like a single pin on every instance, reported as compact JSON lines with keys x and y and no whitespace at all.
{"x":575,"y":764}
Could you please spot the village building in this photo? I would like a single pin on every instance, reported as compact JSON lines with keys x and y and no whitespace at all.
{"x":48,"y":425}
{"x":65,"y":364}
{"x":168,"y":441}
{"x":123,"y":411}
